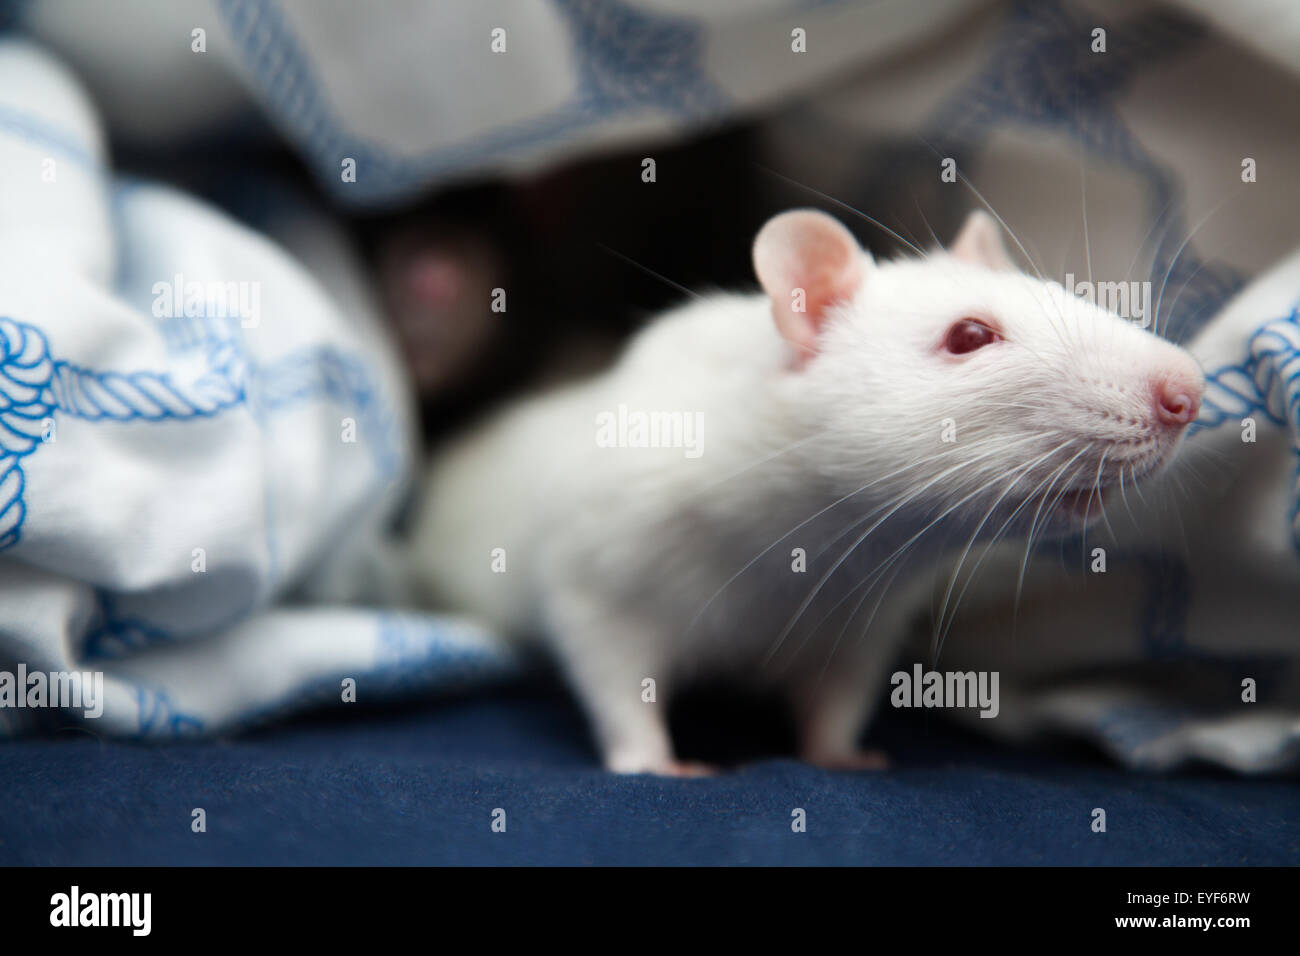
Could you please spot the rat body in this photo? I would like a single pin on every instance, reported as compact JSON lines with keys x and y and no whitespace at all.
{"x":815,"y":446}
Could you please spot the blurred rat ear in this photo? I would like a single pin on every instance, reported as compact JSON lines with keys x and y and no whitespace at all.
{"x":980,"y":243}
{"x":806,"y":262}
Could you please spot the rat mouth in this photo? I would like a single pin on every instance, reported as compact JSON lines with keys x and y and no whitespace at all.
{"x":1075,"y":507}
{"x":1084,"y":505}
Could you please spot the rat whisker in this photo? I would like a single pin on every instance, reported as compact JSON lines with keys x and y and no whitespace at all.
{"x":650,"y":272}
{"x":1137,"y":488}
{"x":993,"y":212}
{"x":1028,"y":498}
{"x":915,"y":537}
{"x":942,"y":628}
{"x":843,"y":205}
{"x":1191,"y":459}
{"x":771,"y":456}
{"x":1174,"y":261}
{"x":911,"y":496}
{"x":1061,"y":494}
{"x":1042,"y":519}
{"x":756,"y":558}
{"x":956,"y":575}
{"x":903,"y":226}
{"x":1124,"y":497}
{"x":1083,"y":192}
{"x":1159,"y":217}
{"x":869,"y":580}
{"x":926,"y":221}
{"x":901,"y":550}
{"x":1178,"y":515}
{"x":1000,"y":448}
{"x":1094,"y":491}
{"x":1173,"y":307}
{"x":866,"y":628}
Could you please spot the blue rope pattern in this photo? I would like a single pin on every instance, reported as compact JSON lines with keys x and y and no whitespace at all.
{"x":1267,"y":383}
{"x":34,"y":387}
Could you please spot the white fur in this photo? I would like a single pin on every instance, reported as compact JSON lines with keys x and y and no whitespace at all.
{"x":635,"y":563}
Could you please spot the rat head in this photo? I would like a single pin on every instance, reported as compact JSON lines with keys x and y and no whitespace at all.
{"x":961,"y":381}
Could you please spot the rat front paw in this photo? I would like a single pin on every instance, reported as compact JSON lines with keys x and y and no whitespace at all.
{"x":663,"y":768}
{"x":687,"y":768}
{"x":850,"y":760}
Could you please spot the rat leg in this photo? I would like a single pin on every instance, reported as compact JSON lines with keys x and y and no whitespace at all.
{"x":833,"y":709}
{"x":606,"y":657}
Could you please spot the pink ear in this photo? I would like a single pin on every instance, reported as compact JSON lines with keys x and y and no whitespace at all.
{"x":980,"y":243}
{"x":806,"y":262}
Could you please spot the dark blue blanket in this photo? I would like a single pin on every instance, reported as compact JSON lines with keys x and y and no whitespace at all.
{"x":419,"y":786}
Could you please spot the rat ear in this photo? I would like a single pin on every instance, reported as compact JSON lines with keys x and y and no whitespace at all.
{"x":980,"y":243}
{"x":807,"y":261}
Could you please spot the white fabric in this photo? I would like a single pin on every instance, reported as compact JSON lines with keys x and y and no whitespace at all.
{"x":416,"y":95}
{"x":168,"y":475}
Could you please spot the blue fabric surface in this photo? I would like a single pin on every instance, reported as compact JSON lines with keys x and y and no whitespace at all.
{"x":419,"y":785}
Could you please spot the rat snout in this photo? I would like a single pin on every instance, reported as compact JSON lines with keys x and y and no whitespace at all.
{"x":1177,"y":396}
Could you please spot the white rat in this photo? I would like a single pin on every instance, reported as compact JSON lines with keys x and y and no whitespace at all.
{"x":818,"y":443}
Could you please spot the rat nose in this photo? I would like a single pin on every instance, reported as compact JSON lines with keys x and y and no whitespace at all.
{"x":1177,"y":400}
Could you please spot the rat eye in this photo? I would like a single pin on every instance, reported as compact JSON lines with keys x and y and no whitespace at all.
{"x":967,"y":335}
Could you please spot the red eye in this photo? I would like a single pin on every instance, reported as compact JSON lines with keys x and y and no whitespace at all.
{"x":969,"y":335}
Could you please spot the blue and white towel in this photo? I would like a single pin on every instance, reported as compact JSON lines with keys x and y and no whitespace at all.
{"x":413,"y":94}
{"x":192,"y":428}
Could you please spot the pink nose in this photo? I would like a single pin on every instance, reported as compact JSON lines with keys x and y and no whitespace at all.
{"x":1178,"y":400}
